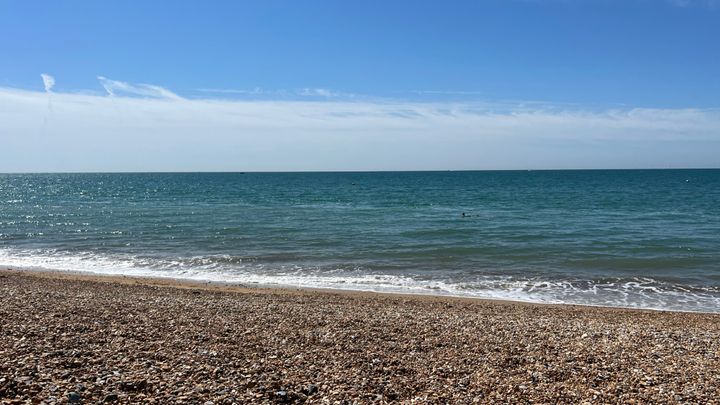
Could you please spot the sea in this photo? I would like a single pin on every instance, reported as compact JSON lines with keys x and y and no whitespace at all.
{"x":618,"y":238}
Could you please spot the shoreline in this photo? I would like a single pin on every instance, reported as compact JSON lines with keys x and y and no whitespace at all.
{"x":240,"y":287}
{"x":176,"y":282}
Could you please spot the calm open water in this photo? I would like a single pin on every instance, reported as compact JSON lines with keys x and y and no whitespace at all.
{"x":631,"y":238}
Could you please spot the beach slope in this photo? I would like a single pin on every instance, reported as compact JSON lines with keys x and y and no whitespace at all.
{"x":73,"y":338}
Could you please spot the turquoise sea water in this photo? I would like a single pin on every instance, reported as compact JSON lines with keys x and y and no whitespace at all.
{"x":636,"y":238}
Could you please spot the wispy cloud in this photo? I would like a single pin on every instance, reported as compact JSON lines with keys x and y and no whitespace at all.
{"x":320,"y":92}
{"x":712,"y":4}
{"x":48,"y":82}
{"x":161,"y":132}
{"x":116,"y":87}
{"x":306,"y":92}
{"x":256,"y":90}
{"x":449,"y":92}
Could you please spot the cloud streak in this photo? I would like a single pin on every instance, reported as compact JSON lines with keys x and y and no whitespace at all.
{"x":711,"y":4}
{"x":306,"y":92}
{"x":48,"y":82}
{"x":142,"y":128}
{"x":255,"y":91}
{"x":116,"y":87}
{"x":320,"y":92}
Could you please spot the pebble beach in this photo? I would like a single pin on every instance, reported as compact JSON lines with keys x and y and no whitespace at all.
{"x":73,"y":338}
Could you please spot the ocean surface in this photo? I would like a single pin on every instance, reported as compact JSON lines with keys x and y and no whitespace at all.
{"x":628,"y":238}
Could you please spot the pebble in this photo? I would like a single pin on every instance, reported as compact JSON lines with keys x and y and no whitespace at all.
{"x":73,"y":397}
{"x":86,"y":337}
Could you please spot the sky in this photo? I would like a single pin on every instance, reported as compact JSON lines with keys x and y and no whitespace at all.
{"x":371,"y":85}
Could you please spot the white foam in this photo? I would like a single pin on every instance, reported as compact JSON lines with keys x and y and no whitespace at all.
{"x":643,"y":293}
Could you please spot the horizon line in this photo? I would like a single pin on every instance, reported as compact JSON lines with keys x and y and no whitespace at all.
{"x":359,"y":171}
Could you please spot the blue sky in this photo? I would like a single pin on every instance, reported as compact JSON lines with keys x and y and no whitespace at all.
{"x":523,"y":84}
